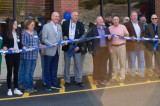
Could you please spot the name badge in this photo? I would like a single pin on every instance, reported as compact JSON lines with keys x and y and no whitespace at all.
{"x":156,"y":36}
{"x":18,"y":40}
{"x":35,"y":36}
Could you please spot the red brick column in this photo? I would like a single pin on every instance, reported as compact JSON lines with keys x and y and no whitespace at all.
{"x":62,"y":5}
{"x":157,"y":7}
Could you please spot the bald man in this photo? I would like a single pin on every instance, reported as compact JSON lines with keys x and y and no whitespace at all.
{"x":73,"y":29}
{"x":51,"y":33}
{"x":99,"y":48}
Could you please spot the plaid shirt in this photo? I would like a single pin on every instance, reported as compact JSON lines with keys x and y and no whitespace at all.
{"x":30,"y":41}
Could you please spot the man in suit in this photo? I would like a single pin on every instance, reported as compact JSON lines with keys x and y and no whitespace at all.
{"x":135,"y":48}
{"x":52,"y":33}
{"x":72,"y":29}
{"x":153,"y":31}
{"x":99,"y":48}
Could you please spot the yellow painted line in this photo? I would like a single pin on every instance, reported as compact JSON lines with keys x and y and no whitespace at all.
{"x":62,"y":90}
{"x":25,"y":95}
{"x":137,"y":73}
{"x":122,"y":84}
{"x":70,"y":92}
{"x":93,"y":86}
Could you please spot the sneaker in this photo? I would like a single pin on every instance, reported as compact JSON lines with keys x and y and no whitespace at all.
{"x":17,"y":92}
{"x":28,"y":91}
{"x":34,"y":90}
{"x":9,"y":93}
{"x":56,"y":87}
{"x":48,"y":89}
{"x":21,"y":87}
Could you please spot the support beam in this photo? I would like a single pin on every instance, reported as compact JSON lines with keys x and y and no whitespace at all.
{"x":129,"y":8}
{"x":51,"y":6}
{"x":101,"y":2}
{"x":14,"y":9}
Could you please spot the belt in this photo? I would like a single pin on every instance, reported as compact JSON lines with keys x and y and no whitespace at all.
{"x":119,"y":44}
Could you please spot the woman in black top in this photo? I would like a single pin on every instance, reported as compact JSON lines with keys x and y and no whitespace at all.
{"x":12,"y":43}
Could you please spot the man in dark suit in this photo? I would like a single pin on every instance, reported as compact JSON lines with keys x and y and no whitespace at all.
{"x":153,"y":31}
{"x":135,"y":48}
{"x":99,"y":48}
{"x":72,"y":29}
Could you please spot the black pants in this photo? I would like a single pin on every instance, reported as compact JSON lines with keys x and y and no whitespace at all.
{"x":12,"y":62}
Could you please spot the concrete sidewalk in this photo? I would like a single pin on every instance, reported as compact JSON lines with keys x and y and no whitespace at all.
{"x":38,"y":72}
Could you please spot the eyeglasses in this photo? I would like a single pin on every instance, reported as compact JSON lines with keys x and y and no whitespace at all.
{"x":154,"y":18}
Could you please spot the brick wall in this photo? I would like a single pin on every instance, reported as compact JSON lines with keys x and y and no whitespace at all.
{"x":62,"y":5}
{"x":157,"y":7}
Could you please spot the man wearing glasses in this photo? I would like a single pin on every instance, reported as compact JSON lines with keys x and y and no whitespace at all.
{"x":153,"y":31}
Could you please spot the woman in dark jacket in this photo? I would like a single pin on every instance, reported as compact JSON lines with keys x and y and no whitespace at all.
{"x":12,"y":43}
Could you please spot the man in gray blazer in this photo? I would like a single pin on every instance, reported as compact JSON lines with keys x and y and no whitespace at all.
{"x":52,"y":33}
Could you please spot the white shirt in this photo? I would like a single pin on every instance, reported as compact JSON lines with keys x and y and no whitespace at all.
{"x":15,"y":41}
{"x":55,"y":26}
{"x":137,"y":29}
{"x":72,"y":30}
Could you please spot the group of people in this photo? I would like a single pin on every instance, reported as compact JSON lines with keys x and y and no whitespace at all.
{"x":107,"y":52}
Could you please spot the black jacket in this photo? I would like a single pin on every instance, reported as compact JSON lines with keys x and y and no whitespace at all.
{"x":149,"y":33}
{"x":78,"y":33}
{"x":9,"y":42}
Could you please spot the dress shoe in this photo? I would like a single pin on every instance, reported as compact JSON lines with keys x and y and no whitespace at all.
{"x":79,"y":84}
{"x":67,"y":84}
{"x":104,"y":82}
{"x":95,"y":82}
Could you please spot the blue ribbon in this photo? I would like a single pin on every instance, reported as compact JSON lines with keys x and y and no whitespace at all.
{"x":81,"y":40}
{"x":155,"y":45}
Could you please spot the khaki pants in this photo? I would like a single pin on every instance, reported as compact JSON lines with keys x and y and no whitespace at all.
{"x":118,"y":54}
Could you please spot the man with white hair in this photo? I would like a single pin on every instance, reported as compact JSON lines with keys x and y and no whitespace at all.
{"x":72,"y":29}
{"x":118,"y":47}
{"x":99,"y":48}
{"x":153,"y":31}
{"x":126,"y":19}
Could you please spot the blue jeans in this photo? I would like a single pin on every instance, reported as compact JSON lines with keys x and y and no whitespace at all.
{"x":51,"y":67}
{"x":29,"y":68}
{"x":21,"y":73}
{"x":140,"y":56}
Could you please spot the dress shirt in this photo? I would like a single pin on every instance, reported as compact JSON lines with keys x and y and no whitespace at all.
{"x":55,"y":26}
{"x":101,"y":32}
{"x":72,"y":30}
{"x":30,"y":41}
{"x":119,"y":30}
{"x":137,"y":29}
{"x":15,"y":41}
